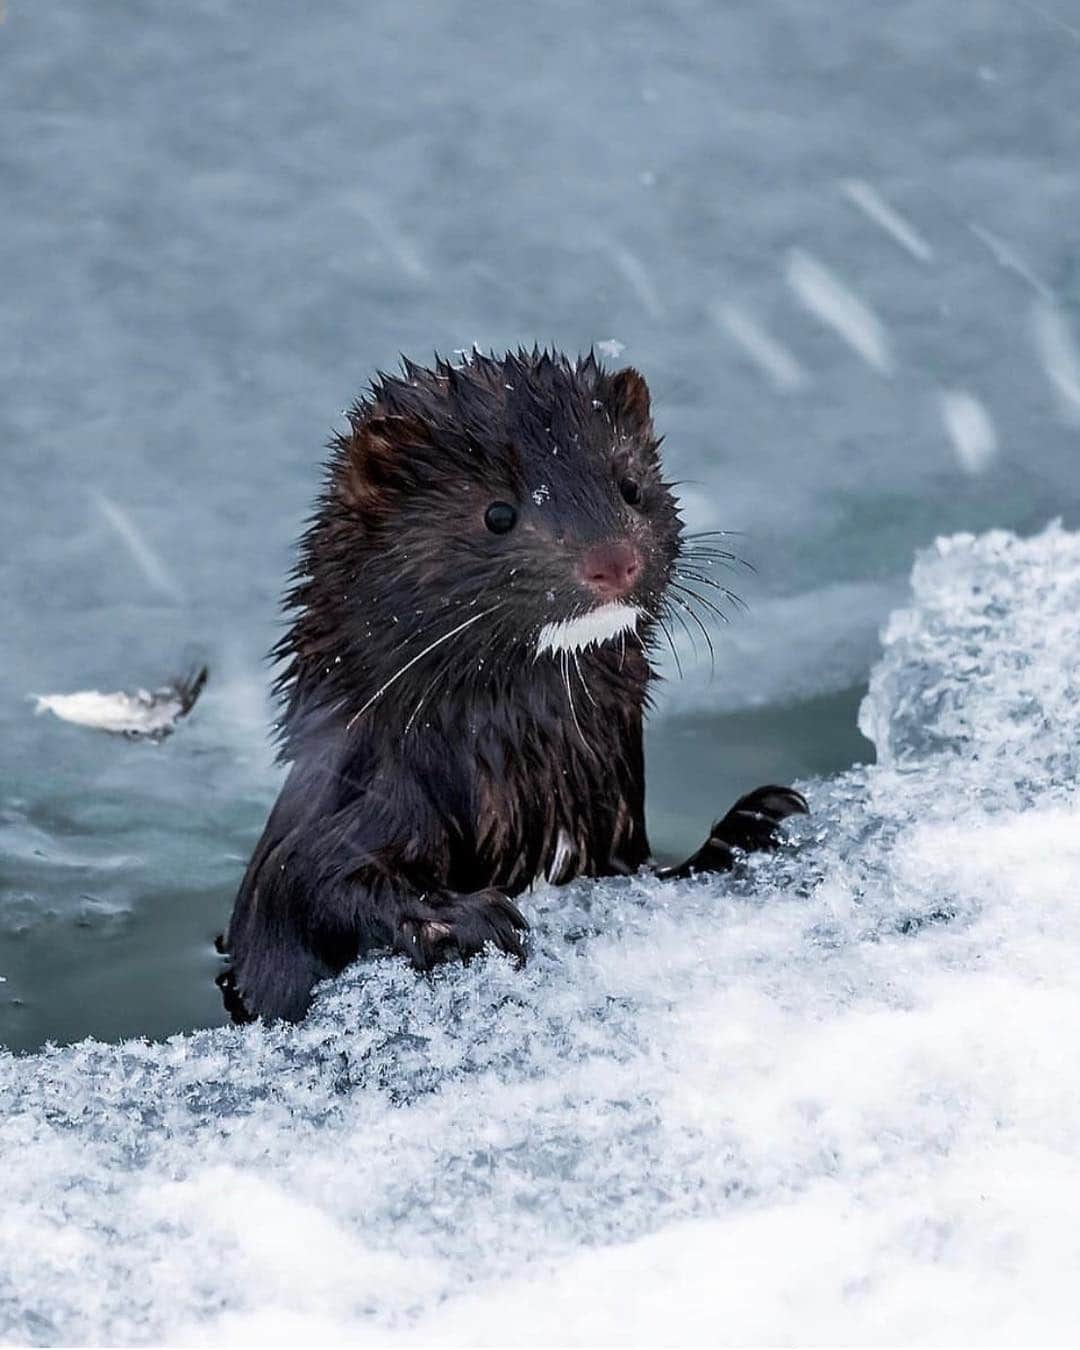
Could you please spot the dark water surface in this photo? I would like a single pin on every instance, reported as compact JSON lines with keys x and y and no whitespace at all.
{"x":218,"y":219}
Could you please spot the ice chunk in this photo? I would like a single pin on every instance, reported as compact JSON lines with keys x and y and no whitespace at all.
{"x":833,"y":1093}
{"x":983,"y":664}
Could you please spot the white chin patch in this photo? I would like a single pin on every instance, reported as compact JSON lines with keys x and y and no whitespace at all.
{"x":599,"y":625}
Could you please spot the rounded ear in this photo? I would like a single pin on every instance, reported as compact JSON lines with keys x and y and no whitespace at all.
{"x":628,"y":400}
{"x":381,"y":457}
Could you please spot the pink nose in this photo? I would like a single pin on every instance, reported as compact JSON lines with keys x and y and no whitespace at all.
{"x":610,"y":569}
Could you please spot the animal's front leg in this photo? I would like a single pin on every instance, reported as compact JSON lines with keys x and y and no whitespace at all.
{"x":751,"y":826}
{"x":443,"y":925}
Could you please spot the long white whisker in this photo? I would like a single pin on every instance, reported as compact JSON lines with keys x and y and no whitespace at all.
{"x":418,"y":657}
{"x":686,"y":629}
{"x":570,"y":698}
{"x":671,"y":643}
{"x":581,"y":677}
{"x":420,"y":702}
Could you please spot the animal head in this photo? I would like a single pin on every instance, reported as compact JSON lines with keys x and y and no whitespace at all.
{"x":479,"y":519}
{"x":529,"y":487}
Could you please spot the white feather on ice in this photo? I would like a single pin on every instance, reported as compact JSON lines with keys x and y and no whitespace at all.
{"x":142,"y":714}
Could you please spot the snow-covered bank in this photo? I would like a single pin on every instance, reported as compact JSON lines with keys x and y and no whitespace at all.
{"x":836,"y":1100}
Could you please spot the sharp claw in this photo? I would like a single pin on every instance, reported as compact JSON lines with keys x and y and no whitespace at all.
{"x":784,"y":801}
{"x":758,"y":817}
{"x":514,"y":914}
{"x":716,"y":840}
{"x":411,"y":945}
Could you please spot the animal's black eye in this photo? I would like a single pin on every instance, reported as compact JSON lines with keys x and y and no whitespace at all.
{"x":631,"y":491}
{"x":500,"y":517}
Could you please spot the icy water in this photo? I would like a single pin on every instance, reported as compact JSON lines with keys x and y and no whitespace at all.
{"x":838,"y":238}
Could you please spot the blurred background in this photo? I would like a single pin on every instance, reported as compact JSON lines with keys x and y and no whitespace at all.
{"x":839,"y":237}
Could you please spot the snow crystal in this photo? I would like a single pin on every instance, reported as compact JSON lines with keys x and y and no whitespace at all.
{"x":1058,"y":353}
{"x":634,"y":272}
{"x":837,"y":306}
{"x":611,"y":348}
{"x":870,"y":201}
{"x":389,"y":235}
{"x":769,"y":355}
{"x":1007,"y":257}
{"x":146,"y":557}
{"x":833,"y":1098}
{"x":970,"y":429}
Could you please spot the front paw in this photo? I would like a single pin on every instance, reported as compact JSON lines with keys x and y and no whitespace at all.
{"x":437,"y":928}
{"x":753,"y":823}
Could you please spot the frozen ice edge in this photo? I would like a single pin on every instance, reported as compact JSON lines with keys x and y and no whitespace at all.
{"x":836,"y":1100}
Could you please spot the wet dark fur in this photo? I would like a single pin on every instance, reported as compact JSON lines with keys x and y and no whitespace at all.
{"x":427,"y":790}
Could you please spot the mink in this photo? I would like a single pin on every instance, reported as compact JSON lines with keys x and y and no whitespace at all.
{"x":475,"y":618}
